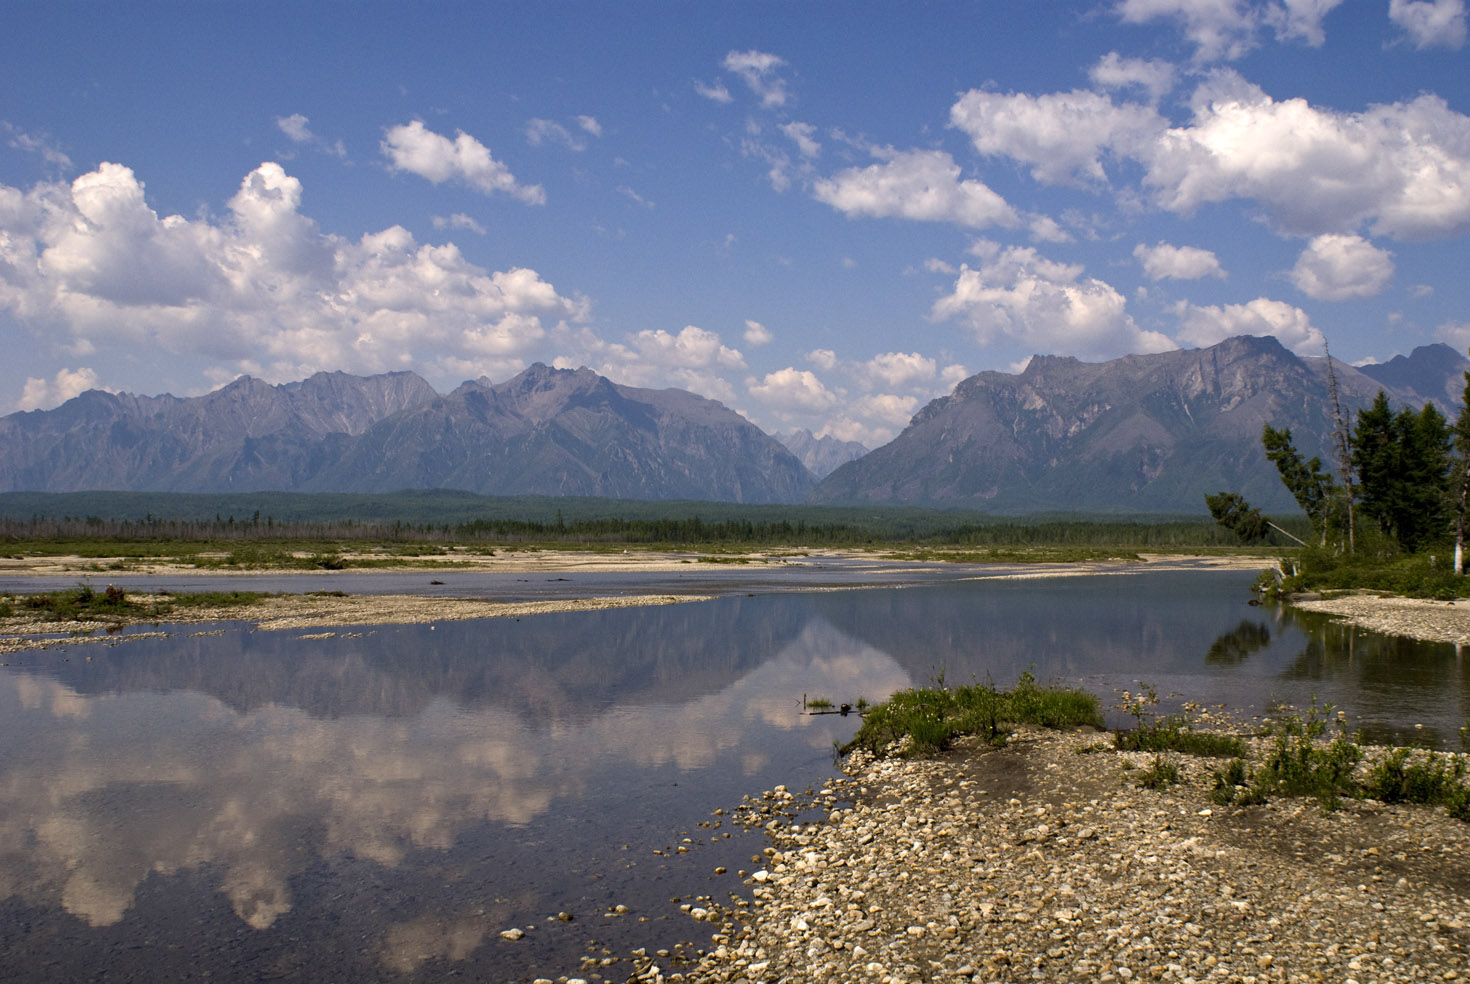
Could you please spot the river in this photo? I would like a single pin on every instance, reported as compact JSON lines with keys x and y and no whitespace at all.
{"x":380,"y":803}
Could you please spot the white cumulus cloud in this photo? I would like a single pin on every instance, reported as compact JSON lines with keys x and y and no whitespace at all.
{"x":1430,"y":23}
{"x":414,"y":148}
{"x":43,"y":394}
{"x":1402,"y":168}
{"x":1154,"y":77}
{"x":757,"y":334}
{"x":894,"y":370}
{"x":1163,"y":261}
{"x":924,"y":185}
{"x":691,"y":348}
{"x":1019,"y":296}
{"x":792,"y":390}
{"x":263,"y":288}
{"x":1339,"y":268}
{"x":1203,"y":326}
{"x":1227,"y":29}
{"x":1064,"y":136}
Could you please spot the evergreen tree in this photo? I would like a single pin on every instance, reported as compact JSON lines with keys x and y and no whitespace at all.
{"x":1403,"y":466}
{"x":1313,"y":488}
{"x":1460,"y":483}
{"x":1235,"y":514}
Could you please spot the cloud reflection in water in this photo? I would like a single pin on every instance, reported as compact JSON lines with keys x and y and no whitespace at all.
{"x":99,"y":791}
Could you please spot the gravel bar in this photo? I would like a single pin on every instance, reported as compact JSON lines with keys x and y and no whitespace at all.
{"x":1045,"y":861}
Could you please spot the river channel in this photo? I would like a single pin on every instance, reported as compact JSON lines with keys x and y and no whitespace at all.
{"x":380,"y":803}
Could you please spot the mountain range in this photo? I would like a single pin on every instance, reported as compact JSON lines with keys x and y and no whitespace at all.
{"x":1143,"y":434}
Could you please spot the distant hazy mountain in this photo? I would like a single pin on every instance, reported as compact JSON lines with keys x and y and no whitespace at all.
{"x":1430,"y":372}
{"x":547,"y":431}
{"x":821,"y":455}
{"x":245,"y":437}
{"x":1145,"y":433}
{"x":563,"y":432}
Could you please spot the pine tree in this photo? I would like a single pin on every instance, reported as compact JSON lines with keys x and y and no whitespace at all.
{"x":1313,"y":488}
{"x":1460,"y":436}
{"x":1403,"y":466}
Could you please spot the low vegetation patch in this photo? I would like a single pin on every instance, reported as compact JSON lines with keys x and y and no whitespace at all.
{"x":927,"y":721}
{"x":1312,"y":756}
{"x":1170,"y":733}
{"x":86,"y":604}
{"x":1427,"y":574}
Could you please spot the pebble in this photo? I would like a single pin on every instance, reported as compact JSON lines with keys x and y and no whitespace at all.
{"x":1036,"y":862}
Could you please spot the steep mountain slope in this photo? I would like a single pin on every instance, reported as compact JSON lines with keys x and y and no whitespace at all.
{"x":563,"y":432}
{"x":1147,"y":433}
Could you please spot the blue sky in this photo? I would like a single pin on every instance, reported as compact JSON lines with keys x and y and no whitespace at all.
{"x":821,"y":214}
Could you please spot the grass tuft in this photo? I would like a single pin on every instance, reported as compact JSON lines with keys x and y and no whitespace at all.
{"x":927,"y":721}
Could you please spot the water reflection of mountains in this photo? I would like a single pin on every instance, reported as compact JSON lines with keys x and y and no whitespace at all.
{"x":552,"y":666}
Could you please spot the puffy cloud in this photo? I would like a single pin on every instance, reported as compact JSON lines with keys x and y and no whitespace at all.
{"x":692,"y":348}
{"x":824,"y":359}
{"x":1205,"y":326}
{"x":1340,"y":268}
{"x":897,"y":369}
{"x":1156,"y":78}
{"x":1045,"y":229}
{"x":1178,"y":262}
{"x":1218,"y":28}
{"x":590,"y":124}
{"x":1403,"y":168}
{"x":1430,"y":23}
{"x":759,"y":71}
{"x":924,"y":185}
{"x":1019,"y":296}
{"x":294,"y":126}
{"x":264,"y":289}
{"x":43,"y":394}
{"x":757,"y":334}
{"x":1063,"y":135}
{"x":889,"y":408}
{"x":1301,"y":19}
{"x":1227,"y":29}
{"x":414,"y":148}
{"x":792,"y":390}
{"x":1456,"y":333}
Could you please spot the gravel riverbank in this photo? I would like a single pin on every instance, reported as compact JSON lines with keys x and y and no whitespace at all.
{"x":1045,"y":861}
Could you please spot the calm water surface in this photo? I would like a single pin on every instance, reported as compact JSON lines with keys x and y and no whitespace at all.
{"x":378,"y":804}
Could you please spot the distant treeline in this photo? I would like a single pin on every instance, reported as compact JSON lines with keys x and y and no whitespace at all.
{"x":461,"y":517}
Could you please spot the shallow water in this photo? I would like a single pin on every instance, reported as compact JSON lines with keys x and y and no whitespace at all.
{"x":381,"y":803}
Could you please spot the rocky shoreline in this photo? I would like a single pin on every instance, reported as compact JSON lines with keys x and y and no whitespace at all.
{"x":1044,"y":860}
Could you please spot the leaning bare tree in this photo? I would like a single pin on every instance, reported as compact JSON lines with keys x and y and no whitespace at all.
{"x":1340,"y":441}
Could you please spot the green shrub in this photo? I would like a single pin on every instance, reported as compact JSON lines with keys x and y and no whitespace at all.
{"x":1160,"y":774}
{"x":933,"y":717}
{"x":1435,"y":779}
{"x":1303,"y":763}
